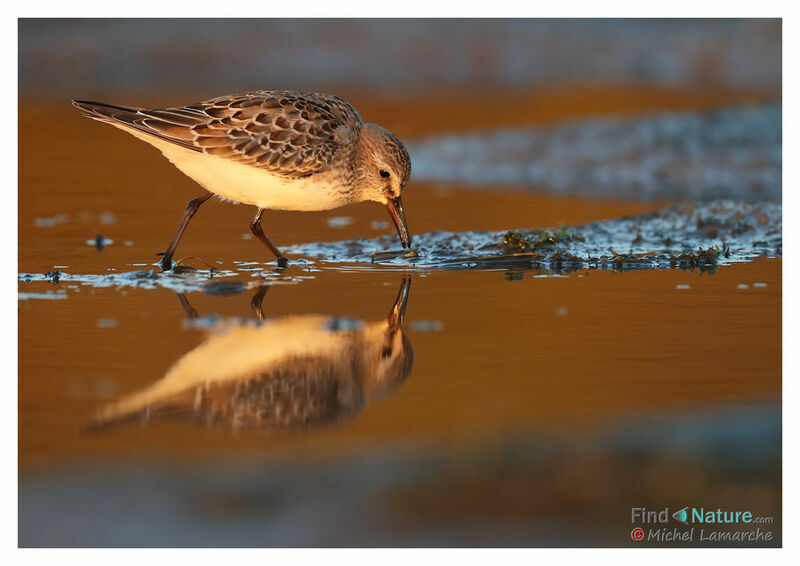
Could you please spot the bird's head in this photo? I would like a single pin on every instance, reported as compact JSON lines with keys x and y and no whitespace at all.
{"x":387,"y":352}
{"x":384,"y":168}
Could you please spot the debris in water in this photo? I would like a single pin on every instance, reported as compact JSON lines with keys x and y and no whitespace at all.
{"x":179,"y":268}
{"x":516,"y":242}
{"x":514,"y":275}
{"x":682,"y":286}
{"x":378,"y":256}
{"x":100,"y":242}
{"x":598,"y":245}
{"x":182,"y":265}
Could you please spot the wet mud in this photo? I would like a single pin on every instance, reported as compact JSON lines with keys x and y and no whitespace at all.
{"x":699,"y":236}
{"x":702,"y":236}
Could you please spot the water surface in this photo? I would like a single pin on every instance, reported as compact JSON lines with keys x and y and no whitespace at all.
{"x":525,"y":397}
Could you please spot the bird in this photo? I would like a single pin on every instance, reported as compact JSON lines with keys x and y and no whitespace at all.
{"x":272,"y":149}
{"x":293,"y":372}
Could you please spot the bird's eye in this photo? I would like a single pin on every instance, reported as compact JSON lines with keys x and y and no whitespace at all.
{"x":384,"y":173}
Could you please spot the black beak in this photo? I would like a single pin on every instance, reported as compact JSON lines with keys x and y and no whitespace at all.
{"x":395,"y":207}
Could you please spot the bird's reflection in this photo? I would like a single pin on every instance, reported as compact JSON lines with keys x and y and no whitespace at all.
{"x":293,"y":372}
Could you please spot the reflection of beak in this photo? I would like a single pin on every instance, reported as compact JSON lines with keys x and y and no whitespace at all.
{"x":395,"y":207}
{"x":398,"y":312}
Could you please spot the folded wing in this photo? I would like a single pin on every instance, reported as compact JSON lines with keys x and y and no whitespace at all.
{"x":290,"y":134}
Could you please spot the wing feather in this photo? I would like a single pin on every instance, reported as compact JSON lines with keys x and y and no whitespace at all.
{"x":292,"y":134}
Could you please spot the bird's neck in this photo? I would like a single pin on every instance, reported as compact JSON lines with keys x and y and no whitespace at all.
{"x":358,"y":164}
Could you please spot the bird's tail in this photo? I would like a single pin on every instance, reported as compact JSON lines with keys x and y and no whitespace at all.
{"x":101,"y":111}
{"x":163,"y":124}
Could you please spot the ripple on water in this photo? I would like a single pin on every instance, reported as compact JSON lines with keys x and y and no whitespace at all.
{"x":699,"y":236}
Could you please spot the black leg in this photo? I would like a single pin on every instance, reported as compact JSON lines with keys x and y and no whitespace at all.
{"x":255,"y":227}
{"x":191,"y":208}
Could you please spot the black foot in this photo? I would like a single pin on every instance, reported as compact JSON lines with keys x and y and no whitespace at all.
{"x":282,"y":262}
{"x":166,"y":264}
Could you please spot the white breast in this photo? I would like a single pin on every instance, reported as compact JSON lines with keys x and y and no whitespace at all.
{"x":249,"y":185}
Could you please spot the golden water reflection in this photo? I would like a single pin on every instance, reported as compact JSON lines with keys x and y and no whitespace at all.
{"x":290,"y":372}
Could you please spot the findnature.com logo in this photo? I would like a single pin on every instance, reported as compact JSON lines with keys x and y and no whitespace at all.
{"x":701,"y":517}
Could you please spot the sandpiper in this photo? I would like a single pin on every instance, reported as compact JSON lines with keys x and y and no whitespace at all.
{"x":277,"y":150}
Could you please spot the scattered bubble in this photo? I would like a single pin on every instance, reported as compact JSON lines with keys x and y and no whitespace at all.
{"x":339,"y":221}
{"x":104,"y":388}
{"x":107,"y":217}
{"x":50,"y":221}
{"x":106,"y":323}
{"x":427,"y":326}
{"x":52,"y":296}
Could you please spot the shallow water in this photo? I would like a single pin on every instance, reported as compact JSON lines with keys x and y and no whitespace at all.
{"x":494,"y":362}
{"x":729,"y":153}
{"x":500,"y":354}
{"x":548,"y":391}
